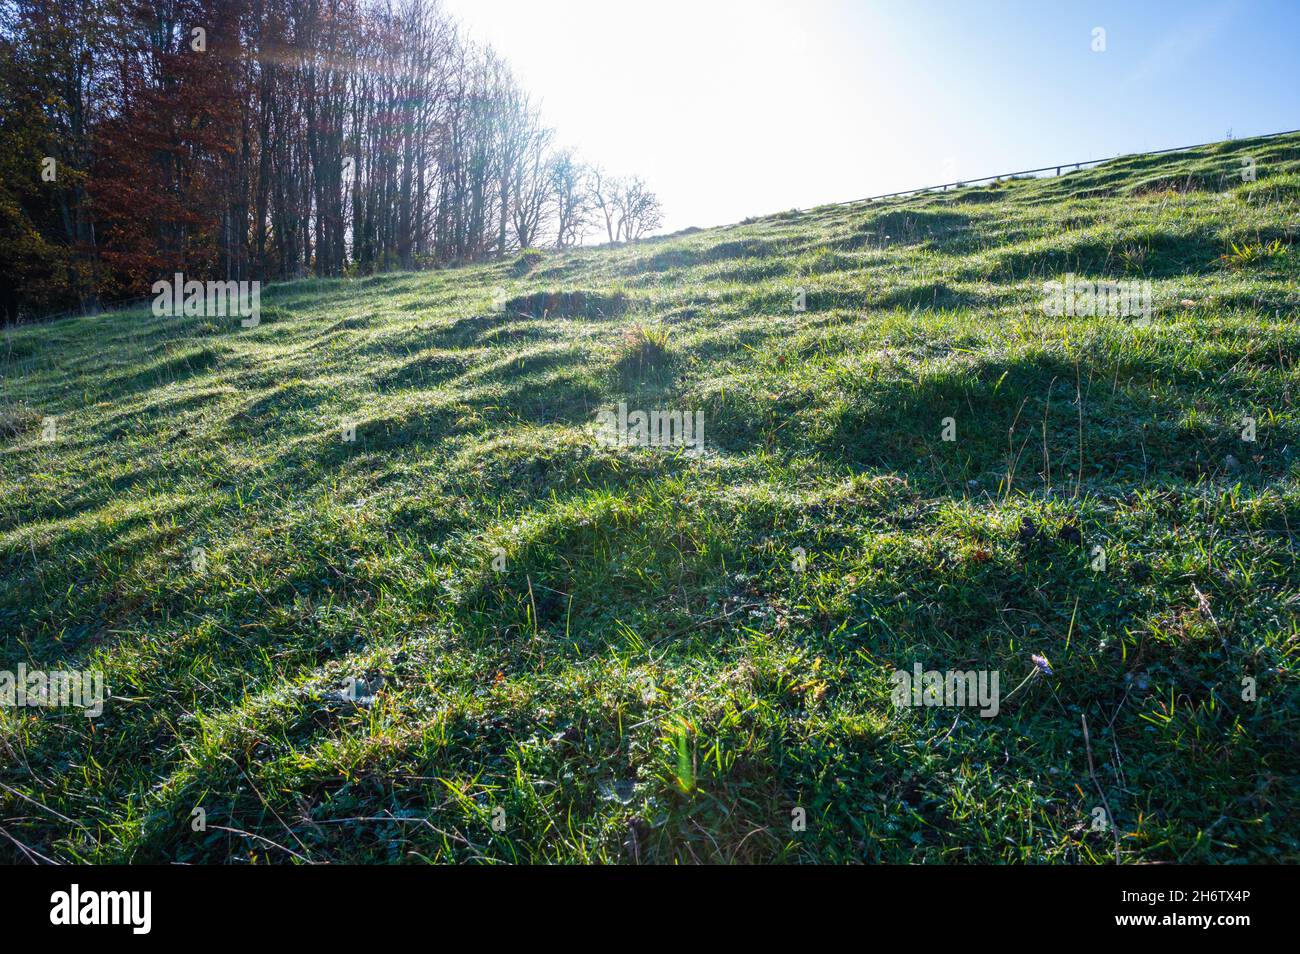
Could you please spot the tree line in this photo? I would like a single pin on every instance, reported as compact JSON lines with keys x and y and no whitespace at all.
{"x":270,"y":139}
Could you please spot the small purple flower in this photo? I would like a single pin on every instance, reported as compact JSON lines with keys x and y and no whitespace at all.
{"x":1043,"y":665}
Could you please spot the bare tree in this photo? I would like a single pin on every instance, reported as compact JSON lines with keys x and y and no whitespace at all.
{"x":628,"y":209}
{"x":532,"y":205}
{"x":568,"y":181}
{"x":602,"y":191}
{"x":637,"y":208}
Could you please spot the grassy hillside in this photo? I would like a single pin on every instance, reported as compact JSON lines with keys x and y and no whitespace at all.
{"x":616,"y":653}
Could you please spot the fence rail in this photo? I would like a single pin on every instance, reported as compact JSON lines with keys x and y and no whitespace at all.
{"x":943,"y":187}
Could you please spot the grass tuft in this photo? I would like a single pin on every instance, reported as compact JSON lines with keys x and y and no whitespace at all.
{"x":643,"y":351}
{"x":15,"y":420}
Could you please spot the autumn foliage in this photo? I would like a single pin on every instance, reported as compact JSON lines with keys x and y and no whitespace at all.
{"x":267,"y":139}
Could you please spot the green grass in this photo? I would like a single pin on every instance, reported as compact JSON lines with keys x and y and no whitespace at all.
{"x":616,"y":651}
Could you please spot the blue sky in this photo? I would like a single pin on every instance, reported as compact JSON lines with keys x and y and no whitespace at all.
{"x":731,"y":109}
